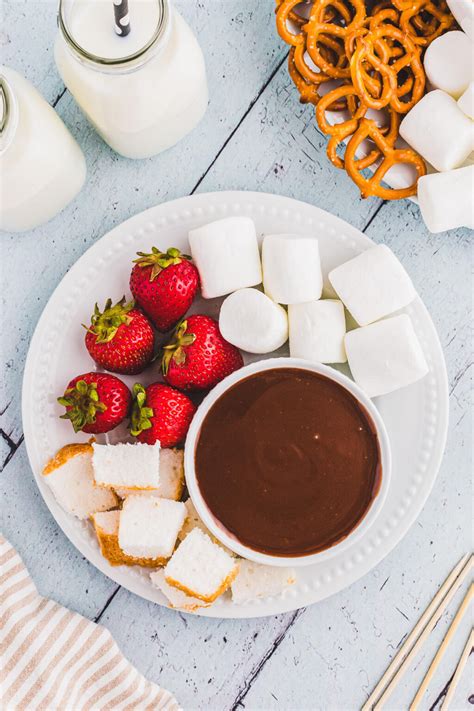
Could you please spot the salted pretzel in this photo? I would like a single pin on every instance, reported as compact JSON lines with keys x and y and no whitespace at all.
{"x":367,"y":52}
{"x":332,"y":53}
{"x":285,"y":11}
{"x":423,"y":31}
{"x":372,"y":186}
{"x":309,"y":92}
{"x":338,"y":132}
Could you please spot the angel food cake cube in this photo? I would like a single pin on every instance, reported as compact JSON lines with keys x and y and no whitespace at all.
{"x":256,"y":581}
{"x":135,"y":466}
{"x":106,"y":525}
{"x":317,"y":331}
{"x":176,"y":598}
{"x":70,"y":476}
{"x":201,"y":568}
{"x":149,"y":527}
{"x":372,"y":285}
{"x":226,"y":255}
{"x":385,"y":356}
{"x":171,"y":478}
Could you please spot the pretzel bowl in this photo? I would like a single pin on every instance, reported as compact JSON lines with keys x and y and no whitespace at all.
{"x":360,"y":65}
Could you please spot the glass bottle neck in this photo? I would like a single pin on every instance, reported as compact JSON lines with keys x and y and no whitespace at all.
{"x":127,"y":62}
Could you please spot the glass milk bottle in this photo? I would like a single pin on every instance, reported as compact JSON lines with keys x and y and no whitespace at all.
{"x":41,"y":166}
{"x":143,"y":92}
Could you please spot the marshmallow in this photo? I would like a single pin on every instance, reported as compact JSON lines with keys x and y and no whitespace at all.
{"x":449,"y":63}
{"x":463,"y":11}
{"x":437,"y":128}
{"x":372,"y":285}
{"x":253,"y":322}
{"x":226,"y":256}
{"x":446,"y":199}
{"x":466,"y":102}
{"x":291,"y":268}
{"x":385,"y":356}
{"x":317,"y":331}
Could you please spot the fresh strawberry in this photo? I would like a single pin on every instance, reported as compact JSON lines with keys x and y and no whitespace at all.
{"x":160,"y":413}
{"x":198,"y":357}
{"x":95,"y":402}
{"x":164,"y":285}
{"x":120,"y":338}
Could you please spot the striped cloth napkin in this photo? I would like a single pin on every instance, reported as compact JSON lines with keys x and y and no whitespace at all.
{"x":52,"y":658}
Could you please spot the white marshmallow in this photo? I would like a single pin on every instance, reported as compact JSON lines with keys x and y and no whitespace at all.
{"x":440,"y":132}
{"x":446,"y":199}
{"x":463,"y":11}
{"x":385,"y":356}
{"x":253,"y":322}
{"x":226,"y":255}
{"x":466,"y":101}
{"x":372,"y":285}
{"x":317,"y":331}
{"x":291,"y":268}
{"x":449,"y":63}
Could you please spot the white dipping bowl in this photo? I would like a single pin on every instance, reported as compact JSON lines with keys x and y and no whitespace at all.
{"x":213,"y":524}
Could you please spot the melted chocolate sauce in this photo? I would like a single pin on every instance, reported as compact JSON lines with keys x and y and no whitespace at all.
{"x":288,"y":462}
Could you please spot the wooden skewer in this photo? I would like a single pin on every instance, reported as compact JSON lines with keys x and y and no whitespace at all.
{"x":444,"y":645}
{"x":426,"y":622}
{"x":458,"y":673}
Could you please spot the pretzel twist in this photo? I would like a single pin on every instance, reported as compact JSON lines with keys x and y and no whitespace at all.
{"x":372,"y":186}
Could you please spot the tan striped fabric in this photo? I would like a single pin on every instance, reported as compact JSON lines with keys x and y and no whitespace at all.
{"x":51,"y":658}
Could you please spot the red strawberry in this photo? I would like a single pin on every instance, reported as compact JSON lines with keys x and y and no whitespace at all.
{"x":160,"y":413}
{"x":164,"y":285}
{"x":198,"y":357}
{"x":121,"y":338}
{"x":95,"y":402}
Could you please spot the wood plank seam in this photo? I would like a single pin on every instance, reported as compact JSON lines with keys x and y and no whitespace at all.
{"x":244,"y":690}
{"x":239,"y":123}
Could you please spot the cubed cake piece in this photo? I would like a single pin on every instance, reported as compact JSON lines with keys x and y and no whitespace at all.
{"x":226,"y":255}
{"x":70,"y":476}
{"x":317,"y":331}
{"x":134,"y":466}
{"x":176,"y":598}
{"x":291,"y":268}
{"x":386,"y":355}
{"x":171,"y":478}
{"x":257,"y":581}
{"x":106,"y":525}
{"x":149,"y":527}
{"x":201,"y":568}
{"x":372,"y":285}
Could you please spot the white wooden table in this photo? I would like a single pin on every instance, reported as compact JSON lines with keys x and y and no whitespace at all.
{"x":255,"y":136}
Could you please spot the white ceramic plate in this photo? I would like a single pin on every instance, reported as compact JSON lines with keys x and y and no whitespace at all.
{"x":415,"y":417}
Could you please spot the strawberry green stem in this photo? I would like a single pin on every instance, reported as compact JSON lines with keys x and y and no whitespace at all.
{"x":141,"y":414}
{"x":82,"y":404}
{"x":174,"y":350}
{"x":159,"y":260}
{"x":105,"y":324}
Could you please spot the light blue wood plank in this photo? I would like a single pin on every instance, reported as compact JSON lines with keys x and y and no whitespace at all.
{"x":279,"y":149}
{"x":26,"y":43}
